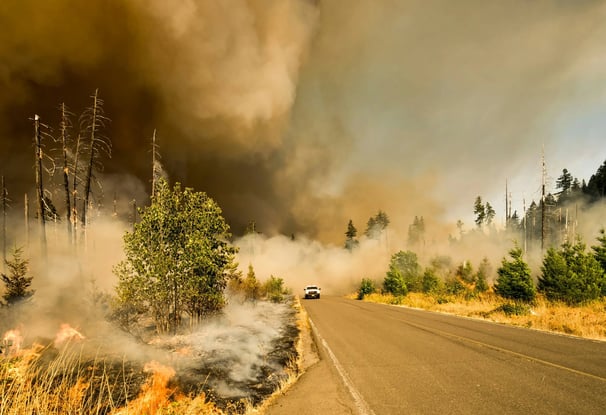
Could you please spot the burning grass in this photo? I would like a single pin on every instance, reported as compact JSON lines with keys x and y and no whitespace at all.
{"x":585,"y":321}
{"x":227,"y":366}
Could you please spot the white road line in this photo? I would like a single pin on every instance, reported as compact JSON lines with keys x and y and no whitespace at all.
{"x":361,"y":405}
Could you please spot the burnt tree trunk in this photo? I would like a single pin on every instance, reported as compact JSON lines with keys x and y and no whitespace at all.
{"x":91,"y":160}
{"x":64,"y":125}
{"x":39,"y":184}
{"x":4,"y":195}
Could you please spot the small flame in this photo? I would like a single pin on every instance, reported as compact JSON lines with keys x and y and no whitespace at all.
{"x":155,"y":394}
{"x":67,"y":333}
{"x":12,"y":341}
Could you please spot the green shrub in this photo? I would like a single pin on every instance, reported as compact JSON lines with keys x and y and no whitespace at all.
{"x":514,"y":309}
{"x":367,"y":286}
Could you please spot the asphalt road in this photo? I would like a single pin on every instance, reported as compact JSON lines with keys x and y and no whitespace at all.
{"x":394,"y":360}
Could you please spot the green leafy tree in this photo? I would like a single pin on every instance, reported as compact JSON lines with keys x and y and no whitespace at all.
{"x":514,"y":280}
{"x":17,"y":282}
{"x":178,"y":258}
{"x":571,"y":274}
{"x":351,"y":242}
{"x":406,"y":265}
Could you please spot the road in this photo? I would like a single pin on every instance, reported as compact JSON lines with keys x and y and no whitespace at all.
{"x":395,"y":360}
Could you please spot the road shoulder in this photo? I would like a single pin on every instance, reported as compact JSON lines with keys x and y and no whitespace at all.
{"x":319,"y":390}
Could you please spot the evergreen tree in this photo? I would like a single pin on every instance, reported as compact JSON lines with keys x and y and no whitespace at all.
{"x":416,"y":231}
{"x":480,"y":211}
{"x":251,"y":285}
{"x":571,"y":274}
{"x":599,"y":251}
{"x":514,"y":280}
{"x":430,"y":282}
{"x":178,"y":259}
{"x":564,"y":183}
{"x":17,"y":282}
{"x":489,"y":213}
{"x":596,"y":187}
{"x":376,"y":225}
{"x":351,"y":242}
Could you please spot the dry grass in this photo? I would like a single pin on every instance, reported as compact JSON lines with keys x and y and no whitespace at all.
{"x":587,"y":321}
{"x":43,"y":380}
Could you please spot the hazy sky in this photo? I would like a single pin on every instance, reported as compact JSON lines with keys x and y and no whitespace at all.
{"x":302,"y":114}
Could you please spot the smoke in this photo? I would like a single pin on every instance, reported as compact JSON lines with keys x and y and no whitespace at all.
{"x":300,"y":114}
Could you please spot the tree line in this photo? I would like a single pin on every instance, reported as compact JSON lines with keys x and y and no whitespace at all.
{"x":570,"y":273}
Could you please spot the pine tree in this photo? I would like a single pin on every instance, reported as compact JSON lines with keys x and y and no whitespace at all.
{"x":480,"y":211}
{"x":251,"y":285}
{"x":17,"y":282}
{"x":351,"y":242}
{"x":514,"y":280}
{"x":571,"y":274}
{"x":489,"y":214}
{"x":416,"y":231}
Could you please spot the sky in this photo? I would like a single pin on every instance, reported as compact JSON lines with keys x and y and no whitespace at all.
{"x":303,"y":114}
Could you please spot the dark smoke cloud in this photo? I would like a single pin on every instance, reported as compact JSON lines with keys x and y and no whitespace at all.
{"x":301,"y":114}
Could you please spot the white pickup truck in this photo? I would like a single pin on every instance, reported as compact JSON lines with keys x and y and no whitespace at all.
{"x":312,"y":291}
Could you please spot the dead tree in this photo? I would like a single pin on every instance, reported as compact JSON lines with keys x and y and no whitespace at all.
{"x":4,"y":205}
{"x":74,"y":215}
{"x":64,"y":127}
{"x":155,"y":162}
{"x":26,"y":208}
{"x":39,"y":184}
{"x":92,"y":123}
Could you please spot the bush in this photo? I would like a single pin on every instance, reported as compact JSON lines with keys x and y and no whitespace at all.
{"x":454,"y":286}
{"x":274,"y":289}
{"x":367,"y":286}
{"x":514,"y":309}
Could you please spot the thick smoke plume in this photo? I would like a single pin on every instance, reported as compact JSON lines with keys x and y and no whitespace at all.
{"x":302,"y":114}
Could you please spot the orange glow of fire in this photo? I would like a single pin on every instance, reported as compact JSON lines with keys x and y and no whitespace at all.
{"x":155,"y":393}
{"x":67,"y":333}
